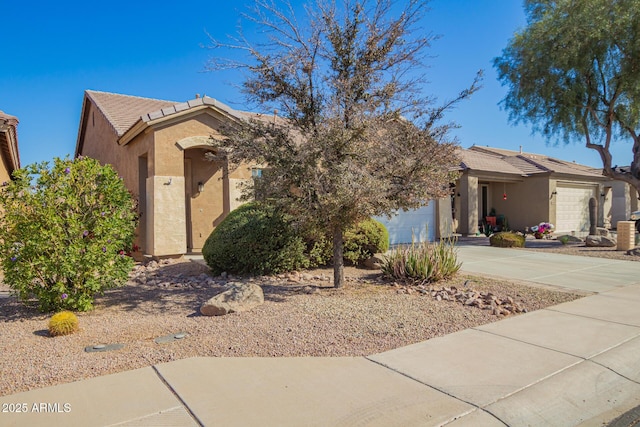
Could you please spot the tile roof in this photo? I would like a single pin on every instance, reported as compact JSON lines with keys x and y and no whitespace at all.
{"x":531,"y":163}
{"x":123,"y":111}
{"x":478,"y":161}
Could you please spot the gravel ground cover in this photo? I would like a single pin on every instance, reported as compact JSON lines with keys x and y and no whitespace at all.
{"x":303,"y":315}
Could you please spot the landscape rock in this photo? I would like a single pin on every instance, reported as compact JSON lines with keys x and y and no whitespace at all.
{"x":570,"y":239}
{"x":601,"y":231}
{"x":468,"y":297}
{"x":600,"y":241}
{"x":374,"y":262}
{"x":238,"y":298}
{"x":634,"y":252}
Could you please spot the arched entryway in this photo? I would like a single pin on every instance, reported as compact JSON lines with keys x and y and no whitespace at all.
{"x":206,"y":191}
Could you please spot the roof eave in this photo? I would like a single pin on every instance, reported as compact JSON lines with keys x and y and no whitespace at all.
{"x":136,"y":129}
{"x":83,"y":126}
{"x":147,"y":121}
{"x":9,"y":132}
{"x":579,"y":177}
{"x":496,"y":176}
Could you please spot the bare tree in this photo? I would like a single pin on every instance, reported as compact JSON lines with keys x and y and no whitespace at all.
{"x":355,"y":136}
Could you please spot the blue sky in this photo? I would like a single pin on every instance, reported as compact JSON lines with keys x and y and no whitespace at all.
{"x":53,"y":51}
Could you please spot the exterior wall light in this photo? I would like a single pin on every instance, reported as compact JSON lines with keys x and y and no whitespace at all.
{"x":200,"y":187}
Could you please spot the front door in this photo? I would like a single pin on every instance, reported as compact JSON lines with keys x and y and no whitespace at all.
{"x":484,"y":201}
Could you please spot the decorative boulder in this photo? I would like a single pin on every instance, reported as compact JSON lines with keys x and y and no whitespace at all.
{"x":239,"y":297}
{"x":600,"y":241}
{"x":601,"y":231}
{"x":374,"y":262}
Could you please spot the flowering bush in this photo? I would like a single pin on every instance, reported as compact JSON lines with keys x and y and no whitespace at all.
{"x":542,"y":230}
{"x":64,"y":232}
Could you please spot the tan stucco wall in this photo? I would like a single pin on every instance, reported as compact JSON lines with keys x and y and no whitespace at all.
{"x":174,"y":214}
{"x":203,"y":211}
{"x":468,"y":202}
{"x":527,"y":201}
{"x":444,"y":223}
{"x":167,"y":230}
{"x":4,"y":170}
{"x":100,"y":143}
{"x":526,"y":204}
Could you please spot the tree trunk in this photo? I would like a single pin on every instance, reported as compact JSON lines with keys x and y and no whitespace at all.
{"x":338,"y":260}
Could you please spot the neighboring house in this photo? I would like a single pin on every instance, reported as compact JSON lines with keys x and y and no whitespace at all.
{"x":8,"y":146}
{"x":624,"y":201}
{"x":158,"y":148}
{"x":527,"y":189}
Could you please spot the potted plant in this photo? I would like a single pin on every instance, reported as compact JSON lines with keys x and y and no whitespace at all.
{"x":542,"y":230}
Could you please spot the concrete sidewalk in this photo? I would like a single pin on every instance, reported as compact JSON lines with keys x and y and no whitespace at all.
{"x":571,"y":364}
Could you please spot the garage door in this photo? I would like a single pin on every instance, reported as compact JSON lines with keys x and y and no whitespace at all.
{"x":572,"y":208}
{"x":417,"y":221}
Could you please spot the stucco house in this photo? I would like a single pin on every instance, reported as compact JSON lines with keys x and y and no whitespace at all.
{"x":8,"y":146}
{"x":158,"y":147}
{"x":526,"y":189}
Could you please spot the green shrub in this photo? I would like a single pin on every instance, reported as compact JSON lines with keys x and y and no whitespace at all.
{"x":63,"y":323}
{"x":507,"y":239}
{"x":365,"y":239}
{"x":254,"y":239}
{"x":422,"y":262}
{"x":564,"y":239}
{"x":361,"y":241}
{"x":64,"y":232}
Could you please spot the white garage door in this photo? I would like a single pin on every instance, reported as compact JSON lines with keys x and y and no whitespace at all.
{"x":572,"y":208}
{"x":417,"y":221}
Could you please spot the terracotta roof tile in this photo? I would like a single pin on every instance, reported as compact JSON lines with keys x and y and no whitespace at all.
{"x":527,"y":166}
{"x":531,"y":163}
{"x":478,"y":161}
{"x":123,"y":111}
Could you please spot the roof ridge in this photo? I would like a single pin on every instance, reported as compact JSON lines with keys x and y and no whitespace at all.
{"x":532,"y":162}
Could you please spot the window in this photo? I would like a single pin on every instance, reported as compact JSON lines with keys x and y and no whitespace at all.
{"x":256,"y":173}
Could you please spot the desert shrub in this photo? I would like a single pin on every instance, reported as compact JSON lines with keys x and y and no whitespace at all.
{"x":507,"y":239}
{"x":365,"y":239}
{"x":64,"y":232}
{"x":256,"y":239}
{"x":63,"y":323}
{"x":422,"y":262}
{"x":564,"y":239}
